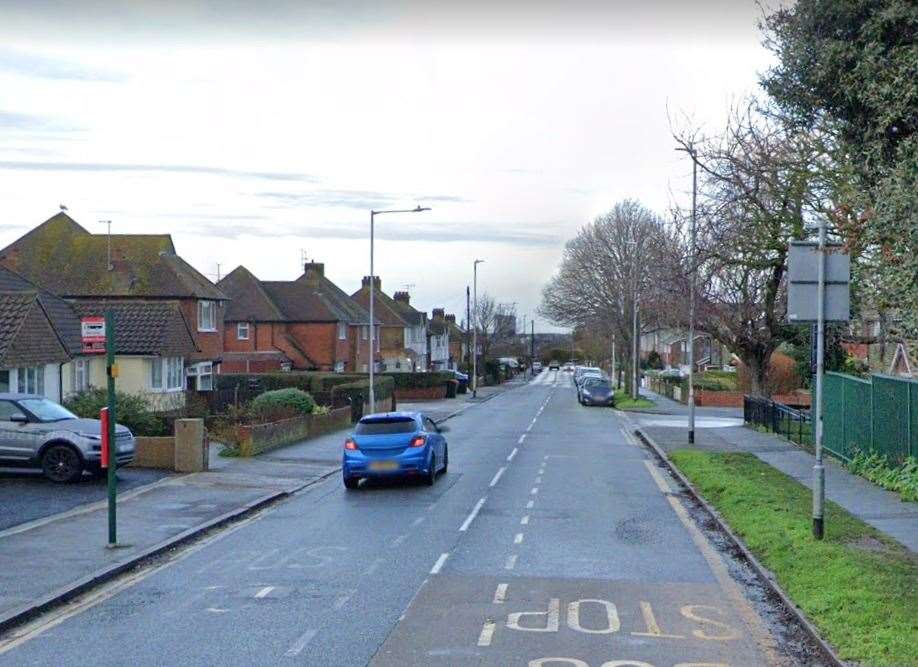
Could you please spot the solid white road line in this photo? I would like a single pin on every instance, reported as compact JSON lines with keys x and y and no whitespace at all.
{"x":524,"y":520}
{"x":535,"y":490}
{"x":496,"y":477}
{"x":500,"y":594}
{"x":511,"y":562}
{"x":487,"y":631}
{"x":264,"y":592}
{"x":439,"y":564}
{"x":471,"y":517}
{"x":518,"y":539}
{"x":418,"y":521}
{"x":300,"y":644}
{"x":512,"y":454}
{"x":398,"y":540}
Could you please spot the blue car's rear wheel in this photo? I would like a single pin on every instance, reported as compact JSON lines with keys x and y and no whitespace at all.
{"x":432,"y":472}
{"x":445,"y":459}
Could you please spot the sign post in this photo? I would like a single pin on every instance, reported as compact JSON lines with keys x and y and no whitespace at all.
{"x":111,"y":373}
{"x":826,"y":298}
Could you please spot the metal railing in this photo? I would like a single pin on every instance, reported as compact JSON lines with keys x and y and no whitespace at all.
{"x":795,"y":425}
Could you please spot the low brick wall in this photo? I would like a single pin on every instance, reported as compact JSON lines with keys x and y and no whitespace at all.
{"x":257,"y":438}
{"x":421,"y":393}
{"x":718,"y":399}
{"x":797,"y":399}
{"x":154,"y":452}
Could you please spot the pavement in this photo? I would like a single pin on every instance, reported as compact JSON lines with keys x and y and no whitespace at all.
{"x":722,"y":430}
{"x":554,"y":539}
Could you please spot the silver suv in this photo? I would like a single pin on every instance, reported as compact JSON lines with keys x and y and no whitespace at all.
{"x":37,"y":432}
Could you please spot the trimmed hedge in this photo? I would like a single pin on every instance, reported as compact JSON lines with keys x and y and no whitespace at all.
{"x":130,"y":410}
{"x":308,"y":381}
{"x":419,"y":380}
{"x":282,"y":404}
{"x":383,"y":387}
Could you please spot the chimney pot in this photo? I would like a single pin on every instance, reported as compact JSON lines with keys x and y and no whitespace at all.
{"x":316,"y":268}
{"x":402,"y":297}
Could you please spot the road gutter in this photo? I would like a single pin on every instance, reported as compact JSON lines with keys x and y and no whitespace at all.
{"x":765,"y":575}
{"x":64,"y":594}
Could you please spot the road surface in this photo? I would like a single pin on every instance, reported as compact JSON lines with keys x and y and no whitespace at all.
{"x":554,"y":540}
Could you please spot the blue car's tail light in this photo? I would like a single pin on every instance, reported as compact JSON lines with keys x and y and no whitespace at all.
{"x":350,"y":445}
{"x":419,"y":441}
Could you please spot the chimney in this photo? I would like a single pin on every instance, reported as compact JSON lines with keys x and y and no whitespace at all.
{"x":402,"y":297}
{"x":451,"y":318}
{"x":312,"y":271}
{"x":438,"y":313}
{"x":376,"y":280}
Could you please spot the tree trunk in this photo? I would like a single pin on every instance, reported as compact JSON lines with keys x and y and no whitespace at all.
{"x":757,"y":367}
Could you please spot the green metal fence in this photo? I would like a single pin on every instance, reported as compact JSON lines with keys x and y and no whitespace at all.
{"x":875,"y":415}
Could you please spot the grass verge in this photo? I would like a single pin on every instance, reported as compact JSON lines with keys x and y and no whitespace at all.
{"x":858,"y":586}
{"x":628,"y":403}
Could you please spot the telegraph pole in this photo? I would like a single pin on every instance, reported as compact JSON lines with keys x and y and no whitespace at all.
{"x":532,"y":348}
{"x":468,"y":325}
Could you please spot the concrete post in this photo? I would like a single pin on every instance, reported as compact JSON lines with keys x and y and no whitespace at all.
{"x":191,"y":446}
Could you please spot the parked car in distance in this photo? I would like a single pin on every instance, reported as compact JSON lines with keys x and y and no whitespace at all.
{"x":583,"y":371}
{"x":394,"y":444}
{"x":461,"y":378}
{"x":38,"y":433}
{"x":569,"y":367}
{"x":554,"y":365}
{"x":596,"y":391}
{"x":536,"y":366}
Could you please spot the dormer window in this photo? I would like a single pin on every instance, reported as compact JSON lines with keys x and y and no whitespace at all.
{"x":207,"y":315}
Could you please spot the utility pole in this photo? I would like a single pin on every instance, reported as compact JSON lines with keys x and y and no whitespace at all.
{"x":475,"y":329}
{"x":691,"y":347}
{"x":532,"y":348}
{"x":468,"y":325}
{"x":819,"y":472}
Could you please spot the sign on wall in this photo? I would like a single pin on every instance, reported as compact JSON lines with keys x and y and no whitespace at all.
{"x":93,"y":335}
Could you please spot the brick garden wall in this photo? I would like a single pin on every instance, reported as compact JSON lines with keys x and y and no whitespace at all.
{"x":257,"y":438}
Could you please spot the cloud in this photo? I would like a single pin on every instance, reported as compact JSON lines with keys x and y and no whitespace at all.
{"x":26,"y":122}
{"x":361,"y":199}
{"x":42,"y":67}
{"x":15,"y":165}
{"x":441,"y":232}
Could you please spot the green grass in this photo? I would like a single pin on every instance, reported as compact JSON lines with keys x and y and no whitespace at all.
{"x":628,"y":403}
{"x":858,"y":586}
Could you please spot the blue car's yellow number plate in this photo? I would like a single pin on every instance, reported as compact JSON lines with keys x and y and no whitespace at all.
{"x":382,"y":466}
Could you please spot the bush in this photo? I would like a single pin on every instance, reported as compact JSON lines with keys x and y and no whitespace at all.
{"x":654,"y":360}
{"x":281,"y":404}
{"x":383,"y":386}
{"x":875,"y":467}
{"x":311,"y":382}
{"x":419,"y":380}
{"x":130,"y":410}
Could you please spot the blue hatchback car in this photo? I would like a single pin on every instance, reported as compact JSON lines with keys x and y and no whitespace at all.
{"x":395,"y":444}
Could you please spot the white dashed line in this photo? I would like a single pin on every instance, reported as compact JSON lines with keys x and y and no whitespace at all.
{"x":500,"y":594}
{"x":342,"y":600}
{"x":264,"y":592}
{"x":487,"y":631}
{"x":512,"y":454}
{"x":511,"y":562}
{"x":538,"y":480}
{"x":418,"y":521}
{"x":520,"y":441}
{"x":471,"y":517}
{"x":398,"y":540}
{"x":534,"y":490}
{"x":374,"y":566}
{"x":524,"y":520}
{"x":439,"y":564}
{"x":518,"y":539}
{"x":496,"y":478}
{"x":300,"y":644}
{"x":530,"y":504}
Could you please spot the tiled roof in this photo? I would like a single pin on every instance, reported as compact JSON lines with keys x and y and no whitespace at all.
{"x":411,"y":315}
{"x":61,"y":256}
{"x":26,"y":335}
{"x":386,"y":310}
{"x":144,"y":327}
{"x":65,"y":322}
{"x":248,"y":300}
{"x":437,"y":327}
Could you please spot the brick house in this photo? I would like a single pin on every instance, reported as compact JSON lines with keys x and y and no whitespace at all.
{"x":455,"y":340}
{"x":63,"y":258}
{"x":304,"y":324}
{"x":394,"y":356}
{"x":416,"y":339}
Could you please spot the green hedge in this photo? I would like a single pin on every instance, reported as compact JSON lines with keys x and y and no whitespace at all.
{"x":383,"y":386}
{"x":280,"y":404}
{"x":312,"y":382}
{"x":130,"y":410}
{"x":418,"y":380}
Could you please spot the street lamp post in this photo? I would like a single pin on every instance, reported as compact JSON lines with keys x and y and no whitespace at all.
{"x":691,"y":336}
{"x":371,"y":361}
{"x":475,"y":326}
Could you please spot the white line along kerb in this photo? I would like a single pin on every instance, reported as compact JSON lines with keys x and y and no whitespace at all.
{"x":471,"y":517}
{"x":500,"y":594}
{"x":441,"y":561}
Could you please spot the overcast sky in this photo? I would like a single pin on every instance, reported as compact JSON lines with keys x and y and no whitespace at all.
{"x":255,"y":131}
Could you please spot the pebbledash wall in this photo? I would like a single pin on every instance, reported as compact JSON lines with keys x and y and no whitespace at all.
{"x":257,"y":438}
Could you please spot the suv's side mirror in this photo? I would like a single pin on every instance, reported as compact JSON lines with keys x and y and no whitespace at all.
{"x":19,"y":418}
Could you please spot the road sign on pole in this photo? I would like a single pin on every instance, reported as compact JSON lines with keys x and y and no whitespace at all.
{"x":818,"y":276}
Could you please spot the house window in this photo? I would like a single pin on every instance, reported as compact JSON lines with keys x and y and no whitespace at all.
{"x":167,"y":373}
{"x":242,"y":331}
{"x":207,"y":315}
{"x":342,"y":330}
{"x":339,"y":366}
{"x":79,"y":375}
{"x":203,"y":373}
{"x":31,"y":380}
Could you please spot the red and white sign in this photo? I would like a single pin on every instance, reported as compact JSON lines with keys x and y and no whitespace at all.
{"x":93,"y":333}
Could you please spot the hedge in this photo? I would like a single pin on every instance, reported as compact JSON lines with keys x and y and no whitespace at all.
{"x":383,"y":385}
{"x":280,"y":404}
{"x":309,"y":381}
{"x":419,"y":380}
{"x":130,"y":410}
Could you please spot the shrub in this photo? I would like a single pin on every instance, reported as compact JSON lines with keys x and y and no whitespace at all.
{"x":877,"y":468}
{"x":418,"y":380}
{"x":281,"y":404}
{"x":130,"y":410}
{"x":654,"y":360}
{"x":383,"y":386}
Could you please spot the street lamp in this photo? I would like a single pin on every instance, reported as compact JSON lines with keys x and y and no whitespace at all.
{"x":635,"y":339}
{"x":475,"y":327}
{"x":372,"y":336}
{"x":691,"y":342}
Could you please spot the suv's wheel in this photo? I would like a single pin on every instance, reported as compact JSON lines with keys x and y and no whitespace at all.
{"x":61,"y":463}
{"x":351,"y":483}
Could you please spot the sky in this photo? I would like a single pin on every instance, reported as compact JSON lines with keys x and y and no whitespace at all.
{"x":262,"y":133}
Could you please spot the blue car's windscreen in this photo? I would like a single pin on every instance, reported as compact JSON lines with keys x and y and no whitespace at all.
{"x":386,"y":426}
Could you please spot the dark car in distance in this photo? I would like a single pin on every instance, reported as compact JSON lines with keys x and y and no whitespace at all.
{"x":596,"y":391}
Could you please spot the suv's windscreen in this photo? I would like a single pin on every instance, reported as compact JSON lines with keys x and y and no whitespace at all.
{"x":386,"y":426}
{"x":45,"y":410}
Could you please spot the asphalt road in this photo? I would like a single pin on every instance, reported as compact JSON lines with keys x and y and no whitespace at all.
{"x":553,"y":541}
